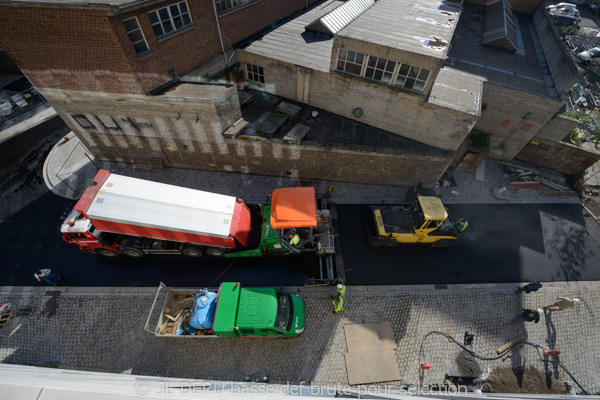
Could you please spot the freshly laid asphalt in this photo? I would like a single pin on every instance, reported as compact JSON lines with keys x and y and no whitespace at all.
{"x":503,"y":243}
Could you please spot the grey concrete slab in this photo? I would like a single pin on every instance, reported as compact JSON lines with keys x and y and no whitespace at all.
{"x":369,"y":337}
{"x":371,"y":367}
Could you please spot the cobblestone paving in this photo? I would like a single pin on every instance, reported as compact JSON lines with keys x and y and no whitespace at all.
{"x":104,"y":332}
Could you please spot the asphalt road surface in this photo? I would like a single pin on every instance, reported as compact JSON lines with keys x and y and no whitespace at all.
{"x":30,"y":240}
{"x":503,"y":243}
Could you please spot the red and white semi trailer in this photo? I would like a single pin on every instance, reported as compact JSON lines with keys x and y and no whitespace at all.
{"x":123,"y":215}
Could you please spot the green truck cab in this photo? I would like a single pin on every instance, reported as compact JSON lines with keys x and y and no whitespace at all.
{"x":229,"y":312}
{"x":289,"y":212}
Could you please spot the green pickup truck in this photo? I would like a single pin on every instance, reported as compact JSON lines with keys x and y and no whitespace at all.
{"x":230,"y":311}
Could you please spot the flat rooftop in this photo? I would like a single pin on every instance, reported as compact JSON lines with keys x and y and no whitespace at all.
{"x":526,"y":69}
{"x":195,"y":90}
{"x":457,"y":90}
{"x":422,"y":27}
{"x":425,"y":28}
{"x":290,"y":43}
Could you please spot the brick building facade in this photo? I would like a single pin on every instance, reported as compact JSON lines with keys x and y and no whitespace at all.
{"x":104,"y":67}
{"x":87,"y":48}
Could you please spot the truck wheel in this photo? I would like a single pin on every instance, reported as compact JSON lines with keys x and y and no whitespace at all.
{"x":215,"y":252}
{"x":132,"y":252}
{"x":192,"y":251}
{"x":107,"y":253}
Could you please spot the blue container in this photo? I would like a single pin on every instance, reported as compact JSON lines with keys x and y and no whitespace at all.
{"x":203,"y":312}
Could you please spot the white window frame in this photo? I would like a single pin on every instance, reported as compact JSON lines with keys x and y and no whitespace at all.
{"x":384,"y":71}
{"x":139,"y":28}
{"x":175,"y":29}
{"x":394,"y":74}
{"x":415,"y":78}
{"x":353,"y":62}
{"x":250,"y":74}
{"x":225,"y":6}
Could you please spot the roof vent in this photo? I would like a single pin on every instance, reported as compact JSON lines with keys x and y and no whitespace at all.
{"x":337,"y":19}
{"x":499,"y":29}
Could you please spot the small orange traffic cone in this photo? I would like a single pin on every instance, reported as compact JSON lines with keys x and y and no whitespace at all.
{"x":425,"y":366}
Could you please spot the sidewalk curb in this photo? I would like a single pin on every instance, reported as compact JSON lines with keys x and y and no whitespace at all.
{"x":67,"y":193}
{"x":310,"y":291}
{"x":27,"y":124}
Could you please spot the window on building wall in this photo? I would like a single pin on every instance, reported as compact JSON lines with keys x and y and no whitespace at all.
{"x":224,"y":6}
{"x":255,"y":73}
{"x":380,"y":69}
{"x":136,"y":36}
{"x":170,"y":19}
{"x":412,"y":78}
{"x":350,"y":61}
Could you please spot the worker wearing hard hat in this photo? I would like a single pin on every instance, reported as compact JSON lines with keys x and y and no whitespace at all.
{"x":341,"y":289}
{"x":528,"y":315}
{"x":337,"y":300}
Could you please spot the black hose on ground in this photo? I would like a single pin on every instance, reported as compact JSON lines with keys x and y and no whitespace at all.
{"x":502,"y":354}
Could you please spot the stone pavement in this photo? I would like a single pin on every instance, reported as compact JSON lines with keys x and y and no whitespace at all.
{"x":101,"y":329}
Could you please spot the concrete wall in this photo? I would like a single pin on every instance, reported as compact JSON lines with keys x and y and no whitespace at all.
{"x":399,"y":56}
{"x":565,"y":158}
{"x":187,"y":133}
{"x":556,"y":129}
{"x":513,"y":118}
{"x":385,"y":107}
{"x":135,"y":129}
{"x":562,"y":68}
{"x":343,"y":163}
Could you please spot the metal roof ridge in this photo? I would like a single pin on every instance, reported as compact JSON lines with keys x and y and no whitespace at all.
{"x":338,"y":18}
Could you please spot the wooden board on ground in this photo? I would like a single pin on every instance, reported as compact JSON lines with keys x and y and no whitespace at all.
{"x":510,"y":353}
{"x":550,"y":184}
{"x":6,"y":318}
{"x":523,"y":185}
{"x":510,"y":343}
{"x":372,"y":366}
{"x":369,"y":337}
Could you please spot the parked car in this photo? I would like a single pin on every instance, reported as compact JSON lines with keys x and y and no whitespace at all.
{"x":564,"y":20}
{"x":561,"y":6}
{"x":594,"y":8}
{"x":588,"y":55}
{"x":571,"y":12}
